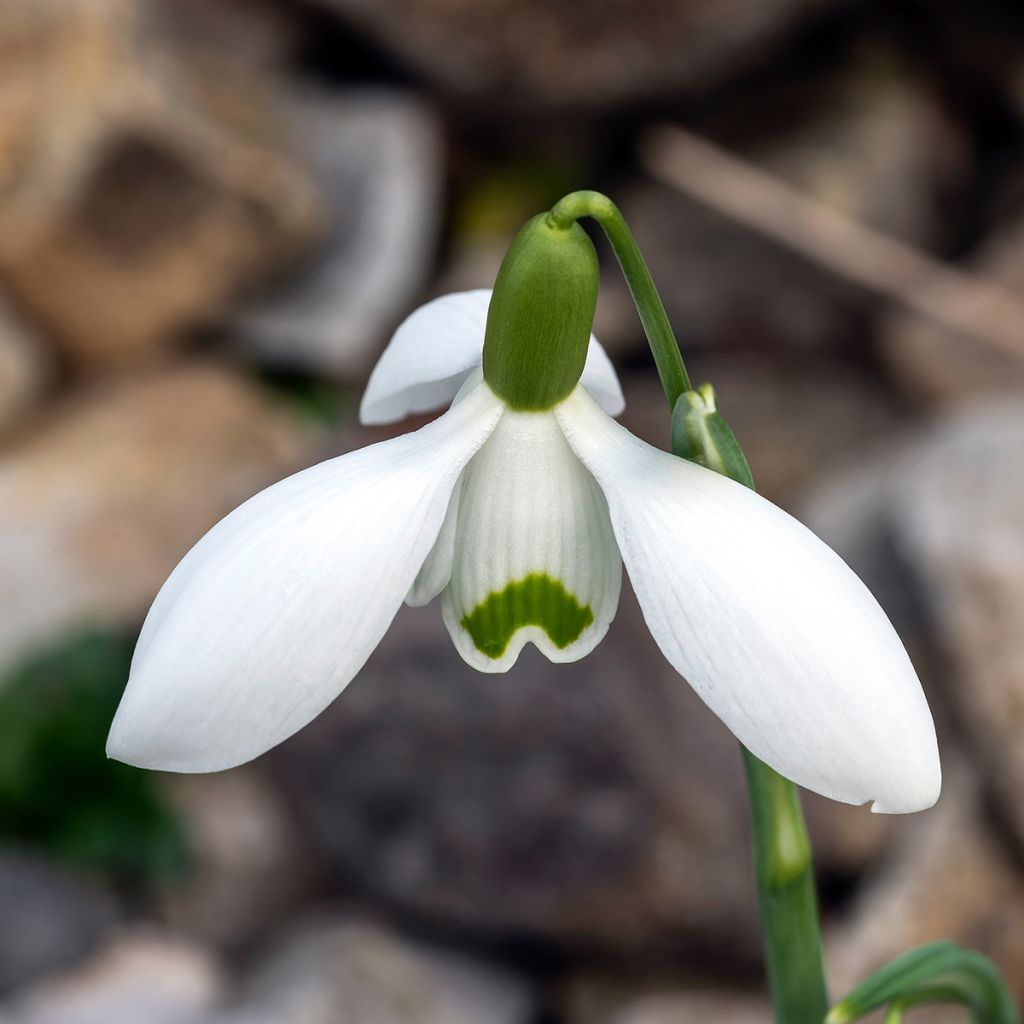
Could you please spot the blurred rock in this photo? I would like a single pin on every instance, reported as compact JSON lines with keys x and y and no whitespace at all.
{"x":958,"y":513}
{"x":25,"y":368}
{"x":874,"y":143}
{"x":356,"y":973}
{"x":543,"y":803}
{"x":950,"y":878}
{"x":49,"y":917}
{"x":98,"y":506}
{"x":943,"y":365}
{"x":139,"y":190}
{"x":680,"y":997}
{"x":871,"y":143}
{"x":376,"y":156}
{"x":136,"y":978}
{"x":696,"y":1008}
{"x":591,"y":54}
{"x":330,"y":973}
{"x":592,"y":806}
{"x":850,"y":507}
{"x":248,"y":871}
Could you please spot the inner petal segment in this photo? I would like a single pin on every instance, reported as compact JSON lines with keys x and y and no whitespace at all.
{"x":534,"y":559}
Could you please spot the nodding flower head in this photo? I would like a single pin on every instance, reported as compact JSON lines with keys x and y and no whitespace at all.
{"x":518,"y":507}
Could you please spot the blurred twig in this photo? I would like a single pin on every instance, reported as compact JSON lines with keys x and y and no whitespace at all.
{"x":951,"y":297}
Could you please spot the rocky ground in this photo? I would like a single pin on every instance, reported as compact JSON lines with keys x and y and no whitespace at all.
{"x":211,"y":218}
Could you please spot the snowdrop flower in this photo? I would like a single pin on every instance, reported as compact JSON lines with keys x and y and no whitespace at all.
{"x":518,"y":507}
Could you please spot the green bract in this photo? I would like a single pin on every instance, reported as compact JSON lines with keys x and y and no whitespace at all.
{"x":701,"y":435}
{"x":540,"y":316}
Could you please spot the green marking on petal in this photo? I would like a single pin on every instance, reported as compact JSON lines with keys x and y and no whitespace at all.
{"x":535,"y":600}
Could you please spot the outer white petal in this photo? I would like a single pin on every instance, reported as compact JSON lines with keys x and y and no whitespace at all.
{"x":771,"y":628}
{"x":274,"y":611}
{"x":529,"y":510}
{"x":433,"y":351}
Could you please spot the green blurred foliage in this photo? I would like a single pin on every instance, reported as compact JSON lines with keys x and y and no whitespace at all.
{"x":58,"y":789}
{"x":321,"y":402}
{"x":498,"y":203}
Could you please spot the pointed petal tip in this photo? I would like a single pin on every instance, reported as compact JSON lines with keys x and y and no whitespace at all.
{"x":244,"y":644}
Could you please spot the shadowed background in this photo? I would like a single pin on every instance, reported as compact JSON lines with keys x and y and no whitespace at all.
{"x":213,"y":214}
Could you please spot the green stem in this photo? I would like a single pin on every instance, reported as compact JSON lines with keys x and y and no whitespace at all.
{"x":782,"y":851}
{"x":648,"y":302}
{"x":784,"y":870}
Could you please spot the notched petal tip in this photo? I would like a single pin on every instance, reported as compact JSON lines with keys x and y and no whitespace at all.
{"x":918,"y":794}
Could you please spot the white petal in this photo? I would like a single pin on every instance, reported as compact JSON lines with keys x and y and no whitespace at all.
{"x":770,"y":626}
{"x":534,"y":555}
{"x":601,"y":381}
{"x":428,"y":358}
{"x":433,"y":351}
{"x":433,"y":577}
{"x":274,"y":611}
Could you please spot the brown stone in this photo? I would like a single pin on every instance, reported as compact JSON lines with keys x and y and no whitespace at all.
{"x":248,"y":869}
{"x":587,"y":54}
{"x":98,"y":505}
{"x":25,"y":369}
{"x":139,"y":190}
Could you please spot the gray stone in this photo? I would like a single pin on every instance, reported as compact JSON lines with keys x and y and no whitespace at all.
{"x":359,"y":973}
{"x":151,"y":978}
{"x":99,"y":504}
{"x":376,"y":157}
{"x":933,"y":525}
{"x":49,"y":917}
{"x":957,"y":515}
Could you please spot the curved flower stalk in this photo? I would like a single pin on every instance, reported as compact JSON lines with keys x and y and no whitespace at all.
{"x":519,"y":506}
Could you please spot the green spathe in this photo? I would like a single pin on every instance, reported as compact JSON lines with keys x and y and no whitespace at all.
{"x":540,"y":316}
{"x":701,"y":435}
{"x":534,"y":600}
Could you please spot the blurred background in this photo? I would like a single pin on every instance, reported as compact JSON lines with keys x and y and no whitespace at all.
{"x":212,"y":215}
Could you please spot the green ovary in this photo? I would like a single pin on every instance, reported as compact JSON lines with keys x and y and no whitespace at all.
{"x":535,"y":600}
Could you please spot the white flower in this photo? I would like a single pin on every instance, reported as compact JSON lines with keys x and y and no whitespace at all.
{"x":521,"y":522}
